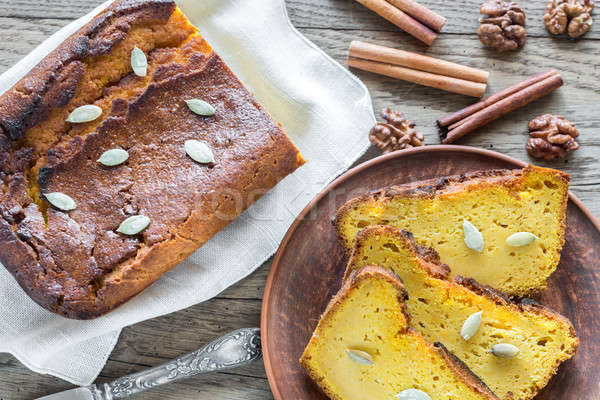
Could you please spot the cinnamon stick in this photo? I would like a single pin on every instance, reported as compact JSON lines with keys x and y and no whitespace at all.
{"x":462,"y":121}
{"x":401,"y":20}
{"x":465,"y":112}
{"x":446,"y":83}
{"x":420,"y":13}
{"x":408,"y":59}
{"x":502,"y":107}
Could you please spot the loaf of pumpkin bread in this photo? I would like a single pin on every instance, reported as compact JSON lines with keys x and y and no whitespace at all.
{"x":122,"y":152}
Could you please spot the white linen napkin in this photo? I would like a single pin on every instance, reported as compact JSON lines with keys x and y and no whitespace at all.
{"x":325,"y":110}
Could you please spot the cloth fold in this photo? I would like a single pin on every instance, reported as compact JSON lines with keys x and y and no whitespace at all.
{"x":325,"y":110}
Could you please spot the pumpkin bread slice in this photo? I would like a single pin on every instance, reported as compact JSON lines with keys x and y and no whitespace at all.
{"x":498,"y":203}
{"x":363,"y":348}
{"x":438,"y":308}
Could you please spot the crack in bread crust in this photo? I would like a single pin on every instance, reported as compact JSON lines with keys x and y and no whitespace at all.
{"x":27,"y":104}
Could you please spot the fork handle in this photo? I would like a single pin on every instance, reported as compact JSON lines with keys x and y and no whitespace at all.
{"x":232,"y":350}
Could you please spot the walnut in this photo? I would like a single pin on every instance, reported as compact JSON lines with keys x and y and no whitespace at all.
{"x":552,"y":136}
{"x":397,"y":133}
{"x":574,"y":16}
{"x":503,"y":28}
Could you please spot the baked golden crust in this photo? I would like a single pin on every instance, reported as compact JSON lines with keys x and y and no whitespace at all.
{"x":499,"y":202}
{"x":430,"y":188}
{"x":52,"y":83}
{"x":459,"y":291}
{"x":431,"y":259}
{"x":460,"y":370}
{"x":75,"y":263}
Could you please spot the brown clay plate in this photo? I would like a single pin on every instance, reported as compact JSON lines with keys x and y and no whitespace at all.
{"x":308,"y":267}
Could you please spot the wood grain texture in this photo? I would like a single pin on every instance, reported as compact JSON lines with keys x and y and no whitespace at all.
{"x":332,"y":24}
{"x":296,"y":296}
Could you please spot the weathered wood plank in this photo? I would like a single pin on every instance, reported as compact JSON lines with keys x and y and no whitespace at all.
{"x":462,"y":16}
{"x":16,"y":383}
{"x":18,"y":37}
{"x":55,"y":9}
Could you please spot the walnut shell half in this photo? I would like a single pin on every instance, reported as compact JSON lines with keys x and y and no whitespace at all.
{"x":572,"y":16}
{"x":397,"y":133}
{"x":552,"y":136}
{"x":504,"y":28}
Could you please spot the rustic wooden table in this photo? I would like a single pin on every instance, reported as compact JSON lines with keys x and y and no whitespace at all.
{"x":332,"y":24}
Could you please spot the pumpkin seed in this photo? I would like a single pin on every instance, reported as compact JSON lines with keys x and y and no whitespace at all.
{"x":359,"y":356}
{"x":139,"y":62}
{"x":86,"y":113}
{"x":473,"y":238}
{"x":200,"y":107}
{"x":504,"y":350}
{"x":113,"y":157}
{"x":413,"y":394}
{"x":471,"y":325}
{"x":61,"y":201}
{"x":199,"y":151}
{"x":520,"y":239}
{"x":134,"y":225}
